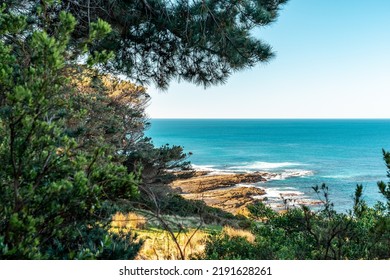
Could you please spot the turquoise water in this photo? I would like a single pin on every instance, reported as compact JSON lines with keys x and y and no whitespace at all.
{"x":340,"y":153}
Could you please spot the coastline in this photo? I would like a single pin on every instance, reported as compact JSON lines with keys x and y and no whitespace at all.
{"x":233,"y":192}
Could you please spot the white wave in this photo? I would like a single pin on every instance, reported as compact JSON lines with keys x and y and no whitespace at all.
{"x":203,"y":167}
{"x":289,"y":174}
{"x":278,"y":193}
{"x":264,"y":165}
{"x":211,"y":169}
{"x":268,"y":174}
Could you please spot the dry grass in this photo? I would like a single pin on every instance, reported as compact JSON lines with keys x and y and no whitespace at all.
{"x":233,"y":232}
{"x":159,"y":244}
{"x":128,"y":221}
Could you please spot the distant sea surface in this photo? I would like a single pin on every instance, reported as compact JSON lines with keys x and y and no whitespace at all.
{"x":304,"y":153}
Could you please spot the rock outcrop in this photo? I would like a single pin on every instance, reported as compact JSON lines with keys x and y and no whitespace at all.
{"x":223,"y":190}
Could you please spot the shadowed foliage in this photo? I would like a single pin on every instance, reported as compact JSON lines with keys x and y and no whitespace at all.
{"x":53,"y":195}
{"x":159,"y":40}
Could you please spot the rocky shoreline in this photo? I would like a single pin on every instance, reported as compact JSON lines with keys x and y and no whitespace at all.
{"x":233,"y":192}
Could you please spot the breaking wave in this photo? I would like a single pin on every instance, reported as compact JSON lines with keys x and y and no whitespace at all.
{"x":263,"y":165}
{"x":269,"y":174}
{"x":291,"y":173}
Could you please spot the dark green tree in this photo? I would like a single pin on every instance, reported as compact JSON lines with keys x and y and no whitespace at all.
{"x":53,"y":196}
{"x":383,"y":187}
{"x":114,"y":112}
{"x":114,"y":116}
{"x":200,"y":41}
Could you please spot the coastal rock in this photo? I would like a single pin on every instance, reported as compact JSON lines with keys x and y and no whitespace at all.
{"x":199,"y":184}
{"x":233,"y":200}
{"x":222,"y":190}
{"x":233,"y":192}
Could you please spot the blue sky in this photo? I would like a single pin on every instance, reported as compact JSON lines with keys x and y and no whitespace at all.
{"x":332,"y":61}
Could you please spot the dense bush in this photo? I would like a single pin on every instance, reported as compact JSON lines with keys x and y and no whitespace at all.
{"x":51,"y":191}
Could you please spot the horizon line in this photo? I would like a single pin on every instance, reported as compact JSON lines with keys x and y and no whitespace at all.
{"x":185,"y":118}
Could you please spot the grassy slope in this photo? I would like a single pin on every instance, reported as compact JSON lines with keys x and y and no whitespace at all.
{"x":166,"y":236}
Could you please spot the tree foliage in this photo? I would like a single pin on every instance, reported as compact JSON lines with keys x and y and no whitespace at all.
{"x":159,"y":40}
{"x":113,"y":112}
{"x":155,"y":162}
{"x":52,"y":194}
{"x":383,"y":187}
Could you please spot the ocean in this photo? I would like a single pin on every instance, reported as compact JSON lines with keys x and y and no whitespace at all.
{"x":303,"y":153}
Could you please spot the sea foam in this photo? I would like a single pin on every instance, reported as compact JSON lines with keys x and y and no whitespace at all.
{"x":290,"y":173}
{"x":270,"y":174}
{"x":263,"y":165}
